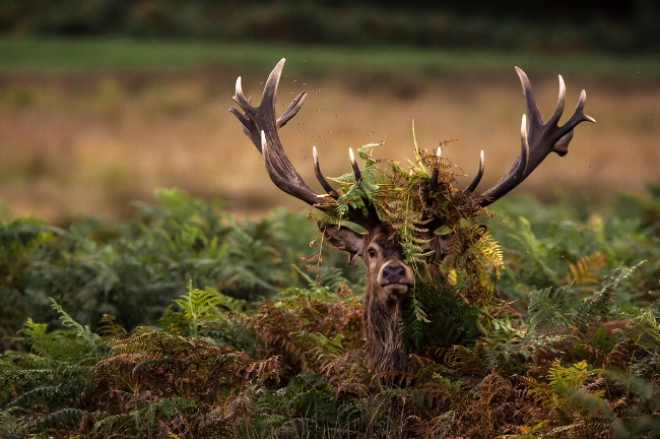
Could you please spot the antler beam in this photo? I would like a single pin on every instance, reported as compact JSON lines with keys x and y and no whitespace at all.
{"x":261,"y":126}
{"x":538,"y":139}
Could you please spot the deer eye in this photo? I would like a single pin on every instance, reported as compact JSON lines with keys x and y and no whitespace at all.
{"x":372,"y":252}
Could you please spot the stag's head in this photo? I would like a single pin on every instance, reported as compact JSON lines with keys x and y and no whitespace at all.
{"x":388,"y":224}
{"x":389,"y":277}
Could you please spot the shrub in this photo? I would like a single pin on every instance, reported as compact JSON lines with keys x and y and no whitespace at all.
{"x":134,"y":269}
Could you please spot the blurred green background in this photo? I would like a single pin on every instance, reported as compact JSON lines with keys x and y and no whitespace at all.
{"x":102,"y":101}
{"x":562,"y":25}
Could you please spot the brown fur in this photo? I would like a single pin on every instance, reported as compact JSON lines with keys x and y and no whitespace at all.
{"x":383,"y":304}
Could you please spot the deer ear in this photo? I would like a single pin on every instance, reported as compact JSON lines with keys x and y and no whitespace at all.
{"x":442,"y":244}
{"x":345,"y":239}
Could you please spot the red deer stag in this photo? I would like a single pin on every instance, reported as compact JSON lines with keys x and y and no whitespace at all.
{"x":389,"y":278}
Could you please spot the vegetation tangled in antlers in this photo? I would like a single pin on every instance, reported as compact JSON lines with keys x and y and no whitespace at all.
{"x":403,"y":198}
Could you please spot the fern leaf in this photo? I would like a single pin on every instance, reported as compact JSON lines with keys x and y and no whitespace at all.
{"x":81,"y":331}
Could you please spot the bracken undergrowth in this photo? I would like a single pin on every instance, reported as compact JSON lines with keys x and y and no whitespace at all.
{"x":560,"y":341}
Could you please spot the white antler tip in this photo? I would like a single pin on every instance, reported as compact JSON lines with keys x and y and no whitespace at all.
{"x":523,"y":131}
{"x":351,"y":155}
{"x":439,"y":152}
{"x":481,"y":156}
{"x":280,"y":65}
{"x":521,"y":74}
{"x":264,"y":147}
{"x":315,"y":154}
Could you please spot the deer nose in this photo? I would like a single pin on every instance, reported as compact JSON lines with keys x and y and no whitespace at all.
{"x":394,"y":273}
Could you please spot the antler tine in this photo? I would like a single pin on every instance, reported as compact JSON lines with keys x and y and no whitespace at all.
{"x":561,"y":147}
{"x":538,"y":139}
{"x":320,"y":177}
{"x":249,"y":127}
{"x":261,"y":126}
{"x":579,"y":116}
{"x":356,"y":168}
{"x":561,"y":102}
{"x":530,"y":102}
{"x":368,"y":218}
{"x":477,"y":178}
{"x":239,"y":97}
{"x":524,"y":147}
{"x":292,"y":110}
{"x":273,"y":81}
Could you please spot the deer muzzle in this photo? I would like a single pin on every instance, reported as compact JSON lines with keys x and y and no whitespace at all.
{"x":395,"y":278}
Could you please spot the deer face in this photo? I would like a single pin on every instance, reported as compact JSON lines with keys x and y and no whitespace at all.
{"x":388,"y":276}
{"x":387,"y":273}
{"x":389,"y":282}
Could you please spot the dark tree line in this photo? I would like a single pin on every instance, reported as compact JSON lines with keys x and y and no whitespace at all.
{"x":567,"y":25}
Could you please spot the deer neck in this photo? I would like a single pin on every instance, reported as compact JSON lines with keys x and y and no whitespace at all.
{"x":382,"y":322}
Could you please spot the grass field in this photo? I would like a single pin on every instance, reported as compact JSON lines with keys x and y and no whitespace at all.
{"x":87,"y":126}
{"x":113,"y":53}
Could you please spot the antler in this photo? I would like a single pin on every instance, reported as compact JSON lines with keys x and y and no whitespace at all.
{"x":538,"y":139}
{"x":261,"y":126}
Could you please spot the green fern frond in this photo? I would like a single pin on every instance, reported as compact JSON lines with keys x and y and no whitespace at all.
{"x":108,"y":327}
{"x":60,"y":419}
{"x":549,"y":308}
{"x":644,"y":329}
{"x":598,"y":307}
{"x":81,"y":331}
{"x":561,"y":377}
{"x":197,"y":308}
